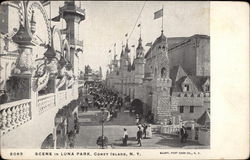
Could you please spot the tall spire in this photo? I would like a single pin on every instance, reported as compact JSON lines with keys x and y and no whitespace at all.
{"x":121,"y":55}
{"x":127,"y":50}
{"x":139,"y":49}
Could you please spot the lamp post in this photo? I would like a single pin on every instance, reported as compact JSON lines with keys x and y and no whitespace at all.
{"x":102,"y":109}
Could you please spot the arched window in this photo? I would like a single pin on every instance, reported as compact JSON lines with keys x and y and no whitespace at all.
{"x":163,"y":72}
{"x":163,"y":48}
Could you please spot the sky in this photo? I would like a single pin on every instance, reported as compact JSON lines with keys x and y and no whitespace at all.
{"x":107,"y":22}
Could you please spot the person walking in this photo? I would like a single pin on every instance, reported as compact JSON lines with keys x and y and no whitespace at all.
{"x":145,"y":130}
{"x":86,"y":105}
{"x":137,"y":119}
{"x":125,"y":137}
{"x":139,"y":136}
{"x":183,"y":134}
{"x":149,"y":131}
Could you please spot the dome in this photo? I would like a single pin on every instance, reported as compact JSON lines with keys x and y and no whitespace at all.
{"x":160,"y":39}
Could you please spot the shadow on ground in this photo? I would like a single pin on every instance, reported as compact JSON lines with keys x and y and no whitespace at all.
{"x":174,"y":141}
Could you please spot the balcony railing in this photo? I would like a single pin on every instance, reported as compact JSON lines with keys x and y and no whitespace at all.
{"x":45,"y":102}
{"x":169,"y":129}
{"x":14,"y":114}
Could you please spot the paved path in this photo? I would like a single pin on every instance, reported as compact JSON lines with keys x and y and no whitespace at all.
{"x":90,"y":130}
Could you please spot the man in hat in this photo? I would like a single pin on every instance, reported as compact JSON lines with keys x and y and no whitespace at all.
{"x":139,"y":136}
{"x":125,"y":137}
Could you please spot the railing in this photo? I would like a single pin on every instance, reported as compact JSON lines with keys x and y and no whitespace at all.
{"x":170,"y":129}
{"x":45,"y":102}
{"x":14,"y":114}
{"x":72,"y":7}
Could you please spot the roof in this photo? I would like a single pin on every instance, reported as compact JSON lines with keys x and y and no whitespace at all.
{"x":174,"y":42}
{"x":176,"y":87}
{"x":198,"y":81}
{"x":173,"y":72}
{"x":178,"y":75}
{"x":158,"y":40}
{"x":204,"y":118}
{"x":185,"y":40}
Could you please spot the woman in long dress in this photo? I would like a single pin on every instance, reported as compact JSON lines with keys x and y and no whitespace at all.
{"x":149,"y":131}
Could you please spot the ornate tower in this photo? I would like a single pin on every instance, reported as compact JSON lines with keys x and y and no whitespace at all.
{"x":139,"y":62}
{"x":161,"y":100}
{"x":73,"y":14}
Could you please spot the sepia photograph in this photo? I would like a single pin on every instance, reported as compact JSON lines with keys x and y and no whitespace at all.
{"x":105,"y":75}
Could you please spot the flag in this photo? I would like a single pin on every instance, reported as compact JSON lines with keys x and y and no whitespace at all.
{"x":126,"y":35}
{"x":133,"y":46}
{"x":149,"y":44}
{"x":138,"y":25}
{"x":158,"y":14}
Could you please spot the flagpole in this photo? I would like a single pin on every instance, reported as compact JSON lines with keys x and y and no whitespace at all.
{"x":114,"y":49}
{"x":140,"y":29}
{"x":162,"y":17}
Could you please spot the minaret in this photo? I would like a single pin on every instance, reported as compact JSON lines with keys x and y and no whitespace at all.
{"x":73,"y":14}
{"x":139,"y":62}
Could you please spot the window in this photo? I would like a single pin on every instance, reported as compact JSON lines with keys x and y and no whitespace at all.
{"x":181,"y":109}
{"x":58,"y":132}
{"x":163,"y":48}
{"x":163,"y":72}
{"x":191,"y":109}
{"x":186,"y":87}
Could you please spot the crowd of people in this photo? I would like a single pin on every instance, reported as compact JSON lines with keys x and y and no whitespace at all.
{"x":112,"y":103}
{"x":101,"y":98}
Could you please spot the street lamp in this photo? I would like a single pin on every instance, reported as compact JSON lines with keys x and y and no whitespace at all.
{"x":103,"y":120}
{"x":102,"y":109}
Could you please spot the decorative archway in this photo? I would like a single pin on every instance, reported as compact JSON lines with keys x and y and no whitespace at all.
{"x":138,"y":106}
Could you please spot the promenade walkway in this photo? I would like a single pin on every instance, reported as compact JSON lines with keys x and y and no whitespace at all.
{"x":90,"y":129}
